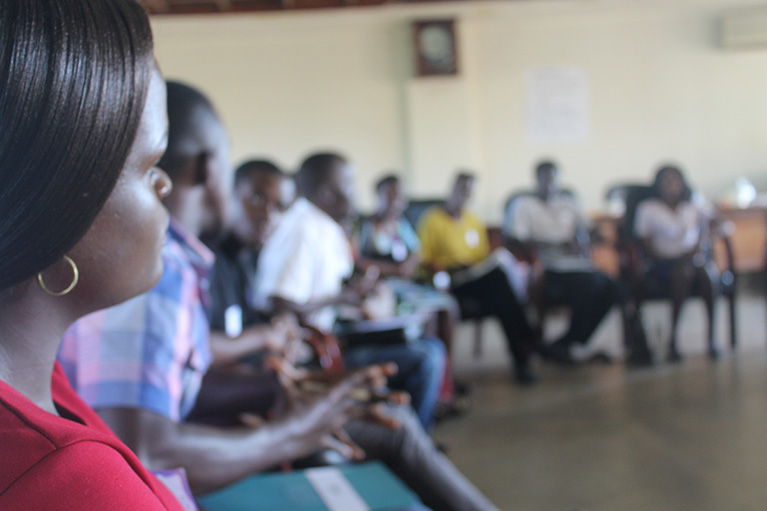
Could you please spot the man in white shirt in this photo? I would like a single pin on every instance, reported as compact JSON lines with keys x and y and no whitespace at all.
{"x":549,"y":227}
{"x":305,"y":263}
{"x":306,"y":267}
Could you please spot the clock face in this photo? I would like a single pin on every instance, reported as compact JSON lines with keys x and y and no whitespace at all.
{"x":436,"y":45}
{"x":435,"y":48}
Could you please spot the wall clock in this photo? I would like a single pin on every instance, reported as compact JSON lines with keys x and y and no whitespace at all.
{"x":434,"y":44}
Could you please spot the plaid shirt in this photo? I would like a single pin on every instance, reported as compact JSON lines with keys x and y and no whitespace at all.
{"x":150,"y":352}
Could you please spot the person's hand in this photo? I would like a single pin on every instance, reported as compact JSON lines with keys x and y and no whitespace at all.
{"x":368,"y":282}
{"x":294,"y":348}
{"x":361,"y":287}
{"x":314,"y":382}
{"x":351,"y":296}
{"x":274,"y":337}
{"x":284,"y":333}
{"x":320,"y":403}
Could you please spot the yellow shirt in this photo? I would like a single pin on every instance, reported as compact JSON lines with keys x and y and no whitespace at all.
{"x":449,"y":243}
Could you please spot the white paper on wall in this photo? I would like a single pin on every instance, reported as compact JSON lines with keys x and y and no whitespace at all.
{"x":557,"y":105}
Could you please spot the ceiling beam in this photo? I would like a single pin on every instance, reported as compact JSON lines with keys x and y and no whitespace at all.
{"x":213,"y":6}
{"x":158,"y":6}
{"x":224,"y":5}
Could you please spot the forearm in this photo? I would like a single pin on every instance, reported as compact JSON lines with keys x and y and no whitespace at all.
{"x":386,"y":268}
{"x":408,"y":267}
{"x":281,"y":306}
{"x":217,"y":457}
{"x":226,"y":349}
{"x":212,"y":457}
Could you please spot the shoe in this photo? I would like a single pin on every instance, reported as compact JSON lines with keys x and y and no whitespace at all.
{"x":639,"y":354}
{"x":456,"y":407}
{"x":441,"y":411}
{"x":462,"y":388}
{"x":558,"y":352}
{"x":639,"y":358}
{"x":674,"y":357}
{"x":524,"y":376}
{"x":714,"y":353}
{"x":601,"y":358}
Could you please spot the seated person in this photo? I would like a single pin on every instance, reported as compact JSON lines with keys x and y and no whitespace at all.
{"x":386,"y":237}
{"x":387,"y":241}
{"x":305,"y":266}
{"x":82,"y":223}
{"x":262,"y":194}
{"x":549,"y":227}
{"x":140,"y":365}
{"x":236,"y":261}
{"x":454,"y":241}
{"x":674,"y":227}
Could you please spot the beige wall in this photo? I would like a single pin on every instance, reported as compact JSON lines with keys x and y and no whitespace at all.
{"x":660,"y":88}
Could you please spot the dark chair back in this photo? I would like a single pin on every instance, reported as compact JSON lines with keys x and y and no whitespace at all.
{"x":417,"y":207}
{"x":630,"y":194}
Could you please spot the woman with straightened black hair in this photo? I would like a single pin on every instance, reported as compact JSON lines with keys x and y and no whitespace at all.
{"x":82,"y":124}
{"x":674,"y":226}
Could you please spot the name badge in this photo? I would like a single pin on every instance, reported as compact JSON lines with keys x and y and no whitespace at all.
{"x":233,"y":321}
{"x":398,"y":251}
{"x":472,"y":238}
{"x":441,"y":280}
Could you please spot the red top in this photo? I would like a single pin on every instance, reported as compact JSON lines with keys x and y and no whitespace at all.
{"x":74,"y":463}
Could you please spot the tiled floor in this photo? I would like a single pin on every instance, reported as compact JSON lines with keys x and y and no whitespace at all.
{"x":606,"y":438}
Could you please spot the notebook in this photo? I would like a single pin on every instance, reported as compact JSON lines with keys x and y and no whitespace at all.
{"x":368,"y":486}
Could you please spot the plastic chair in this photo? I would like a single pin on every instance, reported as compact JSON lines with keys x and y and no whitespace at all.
{"x":632,"y":257}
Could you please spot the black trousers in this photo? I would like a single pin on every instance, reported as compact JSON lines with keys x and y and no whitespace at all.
{"x":589,"y":294}
{"x":492,"y":295}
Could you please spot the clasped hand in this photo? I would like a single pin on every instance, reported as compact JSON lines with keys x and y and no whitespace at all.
{"x":327,"y":401}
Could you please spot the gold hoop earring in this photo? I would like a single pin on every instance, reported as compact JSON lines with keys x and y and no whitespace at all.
{"x":70,"y":287}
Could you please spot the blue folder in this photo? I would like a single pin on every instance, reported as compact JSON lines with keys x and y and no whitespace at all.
{"x":378,"y":487}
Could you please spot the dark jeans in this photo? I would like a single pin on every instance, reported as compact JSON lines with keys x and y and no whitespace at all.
{"x":590,"y":296}
{"x":495,"y":297}
{"x":421,"y":368}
